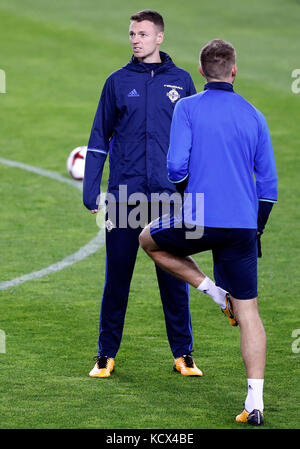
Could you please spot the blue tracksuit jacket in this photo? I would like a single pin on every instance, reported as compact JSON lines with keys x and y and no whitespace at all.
{"x":218,"y":141}
{"x":132,"y":124}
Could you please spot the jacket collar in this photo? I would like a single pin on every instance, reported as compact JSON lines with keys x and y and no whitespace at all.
{"x":136,"y":66}
{"x":220,"y":85}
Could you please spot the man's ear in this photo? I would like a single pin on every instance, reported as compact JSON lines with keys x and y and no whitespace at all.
{"x":201,"y":71}
{"x":234,"y":71}
{"x":160,"y":37}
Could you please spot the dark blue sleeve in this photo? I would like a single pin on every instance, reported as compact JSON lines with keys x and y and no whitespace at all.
{"x":94,"y":164}
{"x":98,"y":146}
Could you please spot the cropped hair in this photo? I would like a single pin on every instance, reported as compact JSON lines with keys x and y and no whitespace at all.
{"x":151,"y":15}
{"x":217,"y":58}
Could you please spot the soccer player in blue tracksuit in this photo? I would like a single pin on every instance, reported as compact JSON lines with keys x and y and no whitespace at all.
{"x":132,"y":125}
{"x":218,"y":141}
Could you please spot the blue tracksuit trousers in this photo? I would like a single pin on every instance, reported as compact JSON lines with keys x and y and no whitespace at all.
{"x":121,"y":250}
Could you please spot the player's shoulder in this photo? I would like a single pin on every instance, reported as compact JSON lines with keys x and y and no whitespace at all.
{"x":116,"y":74}
{"x":249,"y":106}
{"x":114,"y":78}
{"x":188,"y":105}
{"x":192,"y":100}
{"x":180,"y":71}
{"x":252,"y":112}
{"x":184,"y":72}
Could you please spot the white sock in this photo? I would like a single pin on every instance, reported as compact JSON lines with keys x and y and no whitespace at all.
{"x":208,"y":287}
{"x":255,"y":395}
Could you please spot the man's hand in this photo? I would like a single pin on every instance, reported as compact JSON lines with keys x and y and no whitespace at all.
{"x":259,"y":253}
{"x":181,"y":186}
{"x":94,"y":211}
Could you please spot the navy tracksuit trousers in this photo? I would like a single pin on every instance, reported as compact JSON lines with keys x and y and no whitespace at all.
{"x":121,"y":250}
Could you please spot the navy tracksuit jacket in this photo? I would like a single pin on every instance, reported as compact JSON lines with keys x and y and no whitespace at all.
{"x":132,"y":125}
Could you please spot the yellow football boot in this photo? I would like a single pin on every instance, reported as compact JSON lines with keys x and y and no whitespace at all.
{"x":103,"y":368}
{"x":242,"y":417}
{"x":255,"y":418}
{"x":229,"y":312}
{"x":186,"y":366}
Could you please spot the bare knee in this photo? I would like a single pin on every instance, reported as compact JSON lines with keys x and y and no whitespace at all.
{"x":146,"y":241}
{"x":246,"y":311}
{"x":142,"y":239}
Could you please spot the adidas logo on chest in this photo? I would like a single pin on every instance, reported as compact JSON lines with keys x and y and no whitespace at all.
{"x":133,"y":93}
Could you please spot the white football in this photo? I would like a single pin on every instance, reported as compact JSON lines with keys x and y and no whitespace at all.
{"x":76,"y":163}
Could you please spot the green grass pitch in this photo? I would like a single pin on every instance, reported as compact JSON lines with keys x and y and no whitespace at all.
{"x":56,"y":56}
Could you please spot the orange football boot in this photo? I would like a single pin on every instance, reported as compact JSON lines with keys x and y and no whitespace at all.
{"x":186,"y":366}
{"x":103,"y":368}
{"x":229,"y":312}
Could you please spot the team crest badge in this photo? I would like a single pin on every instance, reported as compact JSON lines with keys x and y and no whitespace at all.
{"x":109,"y":225}
{"x":173,"y":95}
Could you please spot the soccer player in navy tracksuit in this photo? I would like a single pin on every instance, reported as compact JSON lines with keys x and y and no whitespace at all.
{"x":218,"y":141}
{"x":132,"y":124}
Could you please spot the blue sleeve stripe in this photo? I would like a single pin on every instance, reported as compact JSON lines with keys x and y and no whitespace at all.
{"x":97,"y":151}
{"x":267,"y":200}
{"x":176,"y":182}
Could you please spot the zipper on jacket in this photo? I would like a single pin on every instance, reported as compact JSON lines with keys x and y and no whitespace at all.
{"x":152,"y":73}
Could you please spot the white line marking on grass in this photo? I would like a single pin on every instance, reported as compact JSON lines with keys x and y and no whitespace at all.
{"x":42,"y":172}
{"x":84,"y":252}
